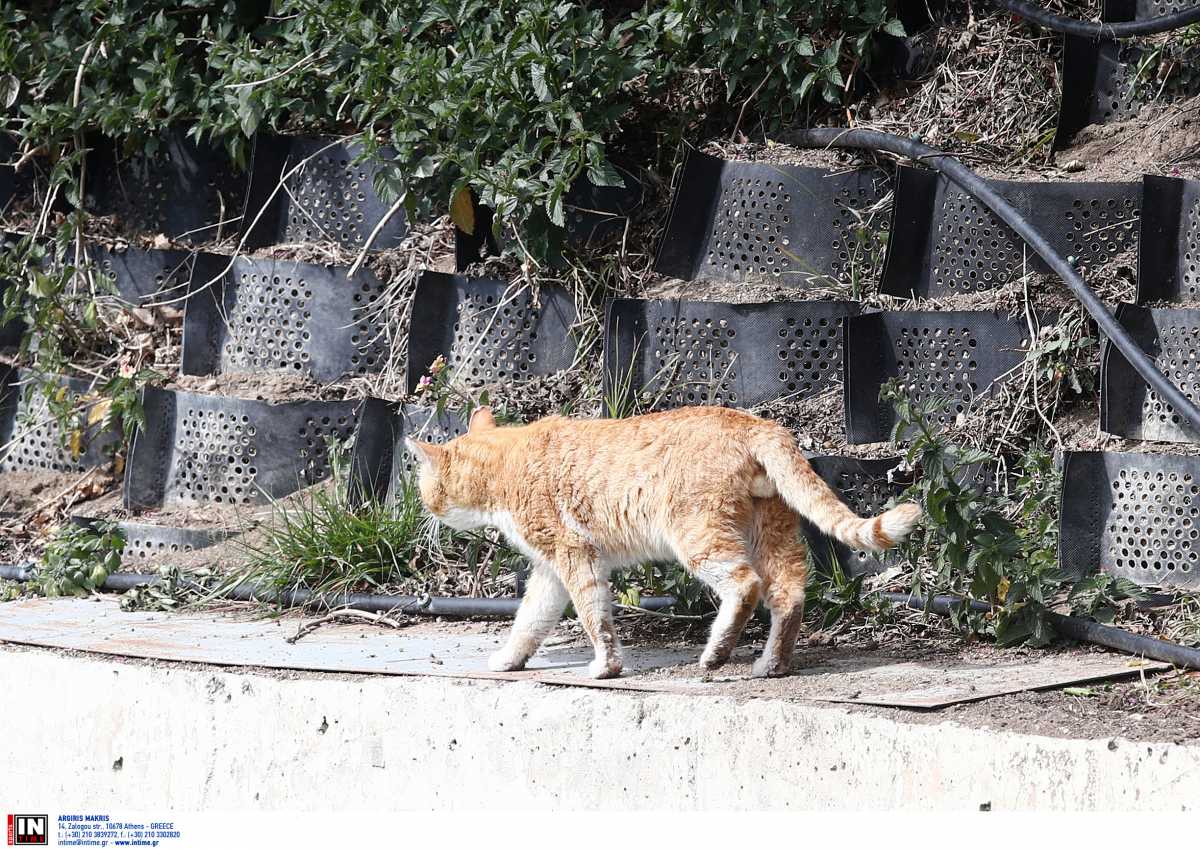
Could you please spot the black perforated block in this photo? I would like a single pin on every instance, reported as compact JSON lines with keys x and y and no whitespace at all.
{"x":381,"y":462}
{"x":945,"y":242}
{"x":675,"y":353}
{"x":1169,"y":249}
{"x":866,"y":488}
{"x":1101,"y":82}
{"x":799,"y":226}
{"x":489,"y":331}
{"x":952,"y":355}
{"x":1128,"y":406}
{"x":1136,"y":516}
{"x":33,"y":439}
{"x":330,"y":198}
{"x":208,"y":449}
{"x":157,"y":276}
{"x":274,"y":314}
{"x":187,"y":191}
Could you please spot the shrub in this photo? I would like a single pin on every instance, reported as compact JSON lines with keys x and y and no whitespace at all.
{"x":514,"y":98}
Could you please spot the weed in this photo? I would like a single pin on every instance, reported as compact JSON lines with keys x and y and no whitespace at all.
{"x":78,"y":560}
{"x":325,"y":544}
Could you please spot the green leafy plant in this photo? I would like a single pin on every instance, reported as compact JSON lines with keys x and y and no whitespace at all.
{"x":833,"y":595}
{"x":630,"y":586}
{"x":977,"y":542}
{"x":79,"y":559}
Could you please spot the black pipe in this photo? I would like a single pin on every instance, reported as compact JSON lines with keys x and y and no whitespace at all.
{"x":1091,"y":29}
{"x":1073,"y":627}
{"x":1006,"y":212}
{"x":424,"y":605}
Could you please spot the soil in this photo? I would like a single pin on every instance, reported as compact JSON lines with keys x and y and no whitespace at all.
{"x":271,"y":385}
{"x":31,"y":491}
{"x":1163,"y":139}
{"x":737,"y":292}
{"x":778,"y":153}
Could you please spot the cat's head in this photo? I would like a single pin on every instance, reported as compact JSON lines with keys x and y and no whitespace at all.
{"x":452,"y":478}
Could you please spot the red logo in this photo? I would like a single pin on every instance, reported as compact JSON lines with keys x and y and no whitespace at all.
{"x":28,"y":829}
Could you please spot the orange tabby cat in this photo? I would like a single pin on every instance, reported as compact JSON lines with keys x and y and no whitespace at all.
{"x":721,"y":491}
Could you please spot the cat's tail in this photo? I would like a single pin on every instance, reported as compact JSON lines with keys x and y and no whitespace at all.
{"x":807,"y":493}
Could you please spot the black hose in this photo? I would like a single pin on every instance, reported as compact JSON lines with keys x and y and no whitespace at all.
{"x":1072,"y":627}
{"x":1006,"y":212}
{"x":424,"y":605}
{"x":1091,"y":29}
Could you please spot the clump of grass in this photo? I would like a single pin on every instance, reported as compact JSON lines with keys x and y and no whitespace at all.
{"x":326,"y":544}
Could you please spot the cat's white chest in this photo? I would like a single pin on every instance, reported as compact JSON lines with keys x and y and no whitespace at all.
{"x":503,"y":522}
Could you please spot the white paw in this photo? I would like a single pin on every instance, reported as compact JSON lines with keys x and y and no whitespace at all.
{"x":764,"y":667}
{"x":605,"y":667}
{"x":713,"y":659}
{"x":505,"y":661}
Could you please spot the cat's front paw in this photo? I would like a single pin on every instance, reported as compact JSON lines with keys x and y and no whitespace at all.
{"x":712,"y":659}
{"x":506,"y":661}
{"x":605,"y":667}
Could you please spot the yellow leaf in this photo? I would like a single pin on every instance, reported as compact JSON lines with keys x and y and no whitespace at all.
{"x":462,"y":211}
{"x":76,"y":443}
{"x":99,"y":410}
{"x":1002,"y":589}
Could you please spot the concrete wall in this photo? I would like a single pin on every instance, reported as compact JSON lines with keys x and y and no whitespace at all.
{"x":112,"y":735}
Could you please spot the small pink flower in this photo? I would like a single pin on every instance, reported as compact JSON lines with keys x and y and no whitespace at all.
{"x":438,"y":365}
{"x":424,"y":383}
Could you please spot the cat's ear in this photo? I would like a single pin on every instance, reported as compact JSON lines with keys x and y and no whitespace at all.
{"x":481,"y":419}
{"x":427,"y":452}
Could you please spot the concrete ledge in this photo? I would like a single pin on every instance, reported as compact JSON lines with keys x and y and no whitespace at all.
{"x":104,"y":733}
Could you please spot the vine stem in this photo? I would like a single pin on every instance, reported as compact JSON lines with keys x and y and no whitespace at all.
{"x":79,"y":147}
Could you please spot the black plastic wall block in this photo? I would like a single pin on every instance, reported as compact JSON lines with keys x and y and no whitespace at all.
{"x":677,"y":353}
{"x":210,"y":449}
{"x":1128,"y":407}
{"x":157,"y":276}
{"x":1136,"y":516}
{"x":592,"y":215}
{"x":595,"y":214}
{"x":330,"y":197}
{"x":866,"y":486}
{"x":956,"y":356}
{"x":33,"y":439}
{"x":275,"y":314}
{"x":946,"y":242}
{"x":797,"y":226}
{"x":381,"y":462}
{"x":1101,"y":84}
{"x":489,"y":331}
{"x":1141,"y":10}
{"x":187,"y":191}
{"x":1169,"y":249}
{"x":154,"y":545}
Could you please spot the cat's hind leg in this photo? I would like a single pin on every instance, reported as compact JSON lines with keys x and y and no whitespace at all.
{"x":541,"y":607}
{"x":781,"y":558}
{"x":722,"y":562}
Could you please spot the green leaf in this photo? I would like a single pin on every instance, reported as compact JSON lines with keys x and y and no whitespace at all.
{"x":604,"y":174}
{"x":537,"y":74}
